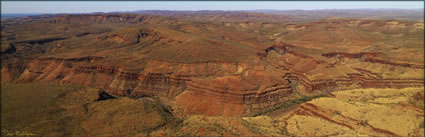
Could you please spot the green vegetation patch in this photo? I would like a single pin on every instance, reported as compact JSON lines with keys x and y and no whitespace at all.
{"x":289,"y":103}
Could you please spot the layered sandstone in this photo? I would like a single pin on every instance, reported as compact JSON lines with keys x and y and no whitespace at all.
{"x":226,"y":68}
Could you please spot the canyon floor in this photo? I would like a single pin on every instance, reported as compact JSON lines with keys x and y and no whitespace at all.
{"x":170,"y":73}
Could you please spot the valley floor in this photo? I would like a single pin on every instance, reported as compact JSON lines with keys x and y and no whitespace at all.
{"x":40,"y":109}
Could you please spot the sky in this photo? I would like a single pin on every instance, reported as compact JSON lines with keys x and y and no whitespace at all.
{"x":8,"y":7}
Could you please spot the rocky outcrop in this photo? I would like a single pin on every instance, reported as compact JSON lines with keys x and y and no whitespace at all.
{"x":294,"y":27}
{"x":305,"y":72}
{"x":252,"y":91}
{"x":370,"y":57}
{"x":417,"y":27}
{"x":394,"y":25}
{"x":235,"y":86}
{"x":114,"y":79}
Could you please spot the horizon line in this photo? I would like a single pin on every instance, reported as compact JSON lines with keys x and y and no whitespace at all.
{"x":228,"y":10}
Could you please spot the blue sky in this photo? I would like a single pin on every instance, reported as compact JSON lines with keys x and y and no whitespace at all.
{"x":105,"y":6}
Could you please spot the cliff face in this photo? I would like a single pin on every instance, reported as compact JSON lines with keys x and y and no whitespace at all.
{"x":211,"y":88}
{"x":234,"y":84}
{"x":243,"y":94}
